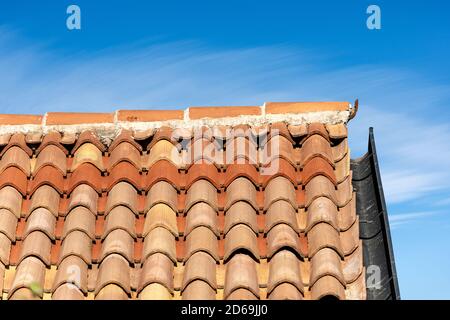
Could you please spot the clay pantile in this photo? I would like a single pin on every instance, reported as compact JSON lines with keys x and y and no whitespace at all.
{"x":285,"y":291}
{"x":161,"y":134}
{"x":323,"y":235}
{"x":356,"y":290}
{"x":17,"y":140}
{"x":5,"y":248}
{"x":203,"y":171}
{"x":161,"y":215}
{"x":164,"y":150}
{"x":344,"y":192}
{"x":202,"y":239}
{"x":282,"y":236}
{"x":279,"y":188}
{"x":242,"y":294}
{"x":42,"y":220}
{"x":198,"y":290}
{"x":76,"y":243}
{"x":322,"y":210}
{"x":126,"y":172}
{"x":74,"y":271}
{"x":316,"y":146}
{"x":50,"y":176}
{"x":298,"y":130}
{"x":88,"y":137}
{"x":11,"y":200}
{"x":85,"y":174}
{"x":201,"y":214}
{"x":45,"y":197}
{"x":162,"y":171}
{"x":340,"y":150}
{"x":241,"y":212}
{"x":200,"y":266}
{"x":279,"y":212}
{"x":16,"y":157}
{"x":114,"y":269}
{"x":233,"y":171}
{"x":280,"y":129}
{"x":241,"y":189}
{"x":85,"y":196}
{"x":111,"y":292}
{"x":326,"y":262}
{"x":36,"y":244}
{"x":67,"y":291}
{"x":319,"y":186}
{"x":241,"y":238}
{"x":15,"y":178}
{"x":8,"y":224}
{"x":315,"y":167}
{"x":88,"y":153}
{"x":203,"y":151}
{"x":124,"y":136}
{"x":326,"y":287}
{"x":279,"y":167}
{"x":342,"y":170}
{"x":241,"y":273}
{"x":51,"y":139}
{"x":120,"y":217}
{"x":149,"y":115}
{"x":337,"y":131}
{"x":118,"y":242}
{"x":155,"y":291}
{"x":347,"y":215}
{"x":51,"y":156}
{"x":352,"y":266}
{"x":162,"y":192}
{"x":162,"y":241}
{"x":201,"y":191}
{"x":277,"y":147}
{"x":284,"y":267}
{"x":350,"y":238}
{"x":241,"y":150}
{"x":122,"y":194}
{"x":31,"y":271}
{"x":157,"y":268}
{"x":125,"y":152}
{"x":80,"y":219}
{"x":318,"y":128}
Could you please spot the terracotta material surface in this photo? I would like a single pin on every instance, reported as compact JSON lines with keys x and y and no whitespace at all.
{"x":85,"y":217}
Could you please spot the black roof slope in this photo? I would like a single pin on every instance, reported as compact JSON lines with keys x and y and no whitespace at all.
{"x":374,"y":226}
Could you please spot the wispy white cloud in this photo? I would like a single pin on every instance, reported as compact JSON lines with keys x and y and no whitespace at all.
{"x":397,"y":220}
{"x":414,"y":154}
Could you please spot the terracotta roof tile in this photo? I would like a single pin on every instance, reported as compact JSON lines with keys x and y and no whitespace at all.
{"x":208,"y":203}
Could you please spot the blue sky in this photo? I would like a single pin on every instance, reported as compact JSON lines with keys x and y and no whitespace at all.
{"x":172,"y":54}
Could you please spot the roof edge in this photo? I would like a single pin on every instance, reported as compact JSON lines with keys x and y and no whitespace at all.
{"x":111,"y":123}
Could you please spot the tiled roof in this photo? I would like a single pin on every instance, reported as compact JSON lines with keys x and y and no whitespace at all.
{"x":213,"y":203}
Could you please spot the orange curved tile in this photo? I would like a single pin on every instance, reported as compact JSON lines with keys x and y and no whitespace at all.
{"x":51,"y":156}
{"x":204,"y":171}
{"x":157,"y":268}
{"x":234,"y":171}
{"x":125,"y":151}
{"x":241,"y":274}
{"x":240,"y":238}
{"x":16,"y":157}
{"x":88,"y":174}
{"x":125,"y":172}
{"x":89,"y":137}
{"x":163,"y":170}
{"x":15,"y":178}
{"x":241,"y":189}
{"x":17,"y":140}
